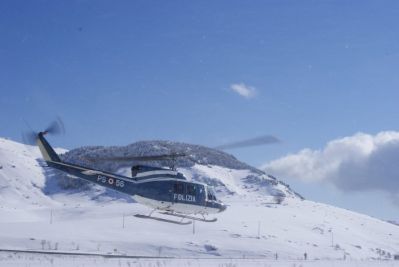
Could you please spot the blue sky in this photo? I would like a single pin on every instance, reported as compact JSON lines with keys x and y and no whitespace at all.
{"x":118,"y":72}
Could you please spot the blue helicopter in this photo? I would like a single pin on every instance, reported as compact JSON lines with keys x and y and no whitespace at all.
{"x":163,"y":189}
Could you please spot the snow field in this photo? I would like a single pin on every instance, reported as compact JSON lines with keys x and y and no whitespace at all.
{"x":253,"y":226}
{"x":31,"y":260}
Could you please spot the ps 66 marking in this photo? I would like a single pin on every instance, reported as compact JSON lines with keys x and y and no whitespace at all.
{"x":111,"y":181}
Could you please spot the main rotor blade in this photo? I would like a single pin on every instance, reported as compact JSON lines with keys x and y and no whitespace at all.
{"x":257,"y":141}
{"x":138,"y":158}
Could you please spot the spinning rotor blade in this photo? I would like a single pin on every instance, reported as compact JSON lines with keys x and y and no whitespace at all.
{"x":138,"y":158}
{"x":56,"y":127}
{"x":261,"y":140}
{"x":29,"y":138}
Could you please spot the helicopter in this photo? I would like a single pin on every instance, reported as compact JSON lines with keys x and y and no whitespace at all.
{"x":162,"y":189}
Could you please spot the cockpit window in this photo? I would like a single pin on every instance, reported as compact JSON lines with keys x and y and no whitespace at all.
{"x":211,"y":194}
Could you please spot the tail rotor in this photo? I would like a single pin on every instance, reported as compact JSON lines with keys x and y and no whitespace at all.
{"x":55,"y":128}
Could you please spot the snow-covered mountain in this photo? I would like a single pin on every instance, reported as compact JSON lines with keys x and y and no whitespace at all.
{"x":42,"y":209}
{"x":202,"y":164}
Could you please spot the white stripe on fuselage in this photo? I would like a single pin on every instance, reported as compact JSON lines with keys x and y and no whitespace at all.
{"x":158,"y":172}
{"x":87,"y":171}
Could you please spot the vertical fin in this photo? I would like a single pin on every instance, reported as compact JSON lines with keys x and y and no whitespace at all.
{"x":47,"y":151}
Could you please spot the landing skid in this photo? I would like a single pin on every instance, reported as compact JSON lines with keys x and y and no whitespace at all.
{"x":161,"y":219}
{"x":189,"y":217}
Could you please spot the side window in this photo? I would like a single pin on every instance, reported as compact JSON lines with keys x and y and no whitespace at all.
{"x":135,"y":170}
{"x":178,"y":188}
{"x":191,"y":189}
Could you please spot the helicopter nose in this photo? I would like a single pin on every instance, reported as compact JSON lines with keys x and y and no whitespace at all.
{"x":222,"y":208}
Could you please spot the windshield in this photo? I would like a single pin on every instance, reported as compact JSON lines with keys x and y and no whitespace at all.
{"x":211,"y":193}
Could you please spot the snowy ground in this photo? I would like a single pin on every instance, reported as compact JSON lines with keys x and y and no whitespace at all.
{"x":251,"y":227}
{"x":244,"y":230}
{"x":32,"y":260}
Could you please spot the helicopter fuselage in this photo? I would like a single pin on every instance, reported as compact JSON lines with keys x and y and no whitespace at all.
{"x":163,"y":189}
{"x":159,"y":188}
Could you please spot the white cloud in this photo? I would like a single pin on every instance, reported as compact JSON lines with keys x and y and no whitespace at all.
{"x":355,"y":163}
{"x":243,"y":90}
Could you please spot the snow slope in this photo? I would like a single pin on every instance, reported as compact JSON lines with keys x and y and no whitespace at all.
{"x":37,"y":214}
